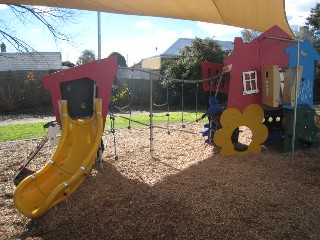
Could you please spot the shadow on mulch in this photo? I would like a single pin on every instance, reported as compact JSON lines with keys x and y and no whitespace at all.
{"x":218,"y":198}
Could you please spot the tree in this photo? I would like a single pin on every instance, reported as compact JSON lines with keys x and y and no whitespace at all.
{"x":313,"y":20}
{"x":86,"y":57}
{"x":188,"y":66}
{"x":120,"y":90}
{"x":52,"y":18}
{"x":68,"y":64}
{"x":249,"y":35}
{"x":303,"y":33}
{"x":121,"y":60}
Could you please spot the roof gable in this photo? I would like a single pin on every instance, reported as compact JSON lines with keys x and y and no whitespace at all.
{"x":30,"y":61}
{"x":183,"y":42}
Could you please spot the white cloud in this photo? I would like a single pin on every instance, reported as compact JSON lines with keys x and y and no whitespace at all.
{"x":145,"y":45}
{"x":187,"y":33}
{"x":298,"y":11}
{"x":3,"y":6}
{"x":219,"y":31}
{"x":144,"y":24}
{"x":35,"y":30}
{"x":70,"y":53}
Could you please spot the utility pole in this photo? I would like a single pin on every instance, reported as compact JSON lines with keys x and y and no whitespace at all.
{"x":99,"y":36}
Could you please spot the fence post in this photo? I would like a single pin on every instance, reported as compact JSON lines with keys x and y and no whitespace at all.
{"x":151,"y":116}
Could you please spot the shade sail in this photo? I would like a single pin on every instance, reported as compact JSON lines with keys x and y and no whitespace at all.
{"x":257,"y":15}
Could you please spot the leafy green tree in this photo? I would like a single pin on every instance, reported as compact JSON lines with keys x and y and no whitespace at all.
{"x":188,"y":66}
{"x":120,"y":90}
{"x":86,"y":57}
{"x":313,"y":21}
{"x":121,"y":60}
{"x":68,"y":64}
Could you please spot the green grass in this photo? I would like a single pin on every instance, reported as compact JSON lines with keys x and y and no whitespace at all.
{"x":35,"y":130}
{"x":158,"y":118}
{"x":22,"y":131}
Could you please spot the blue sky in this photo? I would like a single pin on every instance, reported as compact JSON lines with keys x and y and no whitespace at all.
{"x":135,"y":37}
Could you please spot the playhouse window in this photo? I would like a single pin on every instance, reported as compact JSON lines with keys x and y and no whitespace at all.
{"x":249,"y":80}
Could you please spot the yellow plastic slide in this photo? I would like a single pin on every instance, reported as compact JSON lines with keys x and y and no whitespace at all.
{"x":72,"y":160}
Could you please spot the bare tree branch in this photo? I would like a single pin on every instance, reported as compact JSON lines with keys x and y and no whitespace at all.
{"x":54,"y":19}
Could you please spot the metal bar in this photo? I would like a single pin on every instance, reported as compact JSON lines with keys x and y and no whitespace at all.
{"x":168,"y":108}
{"x":197,"y":88}
{"x":295,"y":106}
{"x":99,"y":35}
{"x":182,"y":103}
{"x":217,"y":90}
{"x":172,"y":79}
{"x":284,"y":39}
{"x":151,"y":118}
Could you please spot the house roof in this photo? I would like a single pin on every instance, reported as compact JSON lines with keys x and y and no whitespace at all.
{"x":30,"y":61}
{"x":177,"y":45}
{"x":182,"y":42}
{"x":174,"y":49}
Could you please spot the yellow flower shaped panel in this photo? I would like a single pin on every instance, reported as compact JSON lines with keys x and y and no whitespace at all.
{"x":231,"y":119}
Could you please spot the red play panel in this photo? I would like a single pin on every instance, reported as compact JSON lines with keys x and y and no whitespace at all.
{"x":250,"y":57}
{"x":101,"y":71}
{"x":210,"y":70}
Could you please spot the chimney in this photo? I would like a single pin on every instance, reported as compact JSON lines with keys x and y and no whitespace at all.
{"x":3,"y":48}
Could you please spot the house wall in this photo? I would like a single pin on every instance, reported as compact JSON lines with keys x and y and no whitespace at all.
{"x":152,"y":63}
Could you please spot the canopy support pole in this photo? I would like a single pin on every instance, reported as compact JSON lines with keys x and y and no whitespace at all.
{"x":295,"y":106}
{"x":99,"y":36}
{"x":151,"y":117}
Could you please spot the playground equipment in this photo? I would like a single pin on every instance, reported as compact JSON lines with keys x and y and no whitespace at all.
{"x":83,"y":95}
{"x":271,"y":84}
{"x":65,"y":171}
{"x":25,"y":163}
{"x":138,"y":74}
{"x":266,"y":90}
{"x":231,"y":119}
{"x":80,"y":98}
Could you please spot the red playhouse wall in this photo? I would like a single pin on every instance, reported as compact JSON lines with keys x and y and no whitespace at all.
{"x":210,"y":70}
{"x":252,"y":56}
{"x":101,"y":71}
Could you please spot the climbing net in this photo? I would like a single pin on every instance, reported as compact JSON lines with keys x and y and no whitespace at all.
{"x":151,"y":77}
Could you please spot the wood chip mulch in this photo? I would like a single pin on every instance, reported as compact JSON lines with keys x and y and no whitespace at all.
{"x":185,"y":191}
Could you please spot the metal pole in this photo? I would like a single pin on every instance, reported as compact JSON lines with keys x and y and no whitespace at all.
{"x":182,"y":103}
{"x":99,"y":36}
{"x":151,"y":117}
{"x":296,"y":92}
{"x":197,"y":100}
